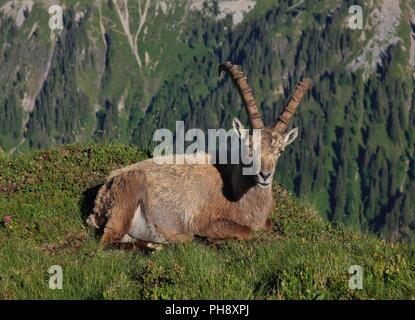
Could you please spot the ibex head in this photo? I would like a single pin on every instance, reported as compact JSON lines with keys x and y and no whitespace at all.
{"x":273,"y":139}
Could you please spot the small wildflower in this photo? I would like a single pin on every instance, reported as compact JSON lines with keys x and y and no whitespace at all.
{"x":7,"y":221}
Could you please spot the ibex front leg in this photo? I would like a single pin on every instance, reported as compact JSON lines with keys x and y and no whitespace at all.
{"x":226,"y":229}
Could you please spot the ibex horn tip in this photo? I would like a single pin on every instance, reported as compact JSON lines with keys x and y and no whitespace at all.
{"x":223,"y":66}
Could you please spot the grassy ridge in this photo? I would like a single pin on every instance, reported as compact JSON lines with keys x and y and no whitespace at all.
{"x":304,"y":257}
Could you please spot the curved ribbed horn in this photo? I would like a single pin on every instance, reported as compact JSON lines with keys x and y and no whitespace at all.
{"x":240,"y":81}
{"x":284,"y":119}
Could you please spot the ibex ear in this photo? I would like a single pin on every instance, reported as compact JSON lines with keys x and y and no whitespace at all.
{"x":239,"y":128}
{"x":290,"y":136}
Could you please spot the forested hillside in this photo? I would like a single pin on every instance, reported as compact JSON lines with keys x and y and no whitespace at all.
{"x":121,"y":69}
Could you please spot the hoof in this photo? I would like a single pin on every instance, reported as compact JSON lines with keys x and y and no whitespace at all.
{"x":155,"y":246}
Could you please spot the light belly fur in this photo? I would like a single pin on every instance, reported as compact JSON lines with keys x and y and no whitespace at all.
{"x":142,"y":229}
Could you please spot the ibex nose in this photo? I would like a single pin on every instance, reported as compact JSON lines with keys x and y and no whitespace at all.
{"x":264,"y":175}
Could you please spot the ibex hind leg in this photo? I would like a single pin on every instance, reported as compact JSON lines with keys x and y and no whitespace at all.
{"x":131,"y":244}
{"x":143,"y":244}
{"x":120,"y":231}
{"x":116,"y":227}
{"x":125,"y":196}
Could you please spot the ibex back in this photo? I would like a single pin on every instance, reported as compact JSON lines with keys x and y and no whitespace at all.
{"x":148,"y":203}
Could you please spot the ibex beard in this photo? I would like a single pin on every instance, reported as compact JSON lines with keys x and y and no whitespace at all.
{"x":148,"y":204}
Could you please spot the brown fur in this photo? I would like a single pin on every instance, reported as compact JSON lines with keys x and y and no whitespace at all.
{"x":175,"y":202}
{"x":185,"y":200}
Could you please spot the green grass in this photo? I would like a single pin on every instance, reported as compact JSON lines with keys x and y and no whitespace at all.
{"x":303,"y":258}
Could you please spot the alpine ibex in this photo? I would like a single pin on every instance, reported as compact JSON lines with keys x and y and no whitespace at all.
{"x":147,"y":204}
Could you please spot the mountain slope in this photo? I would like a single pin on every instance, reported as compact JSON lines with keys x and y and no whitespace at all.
{"x":304,"y":257}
